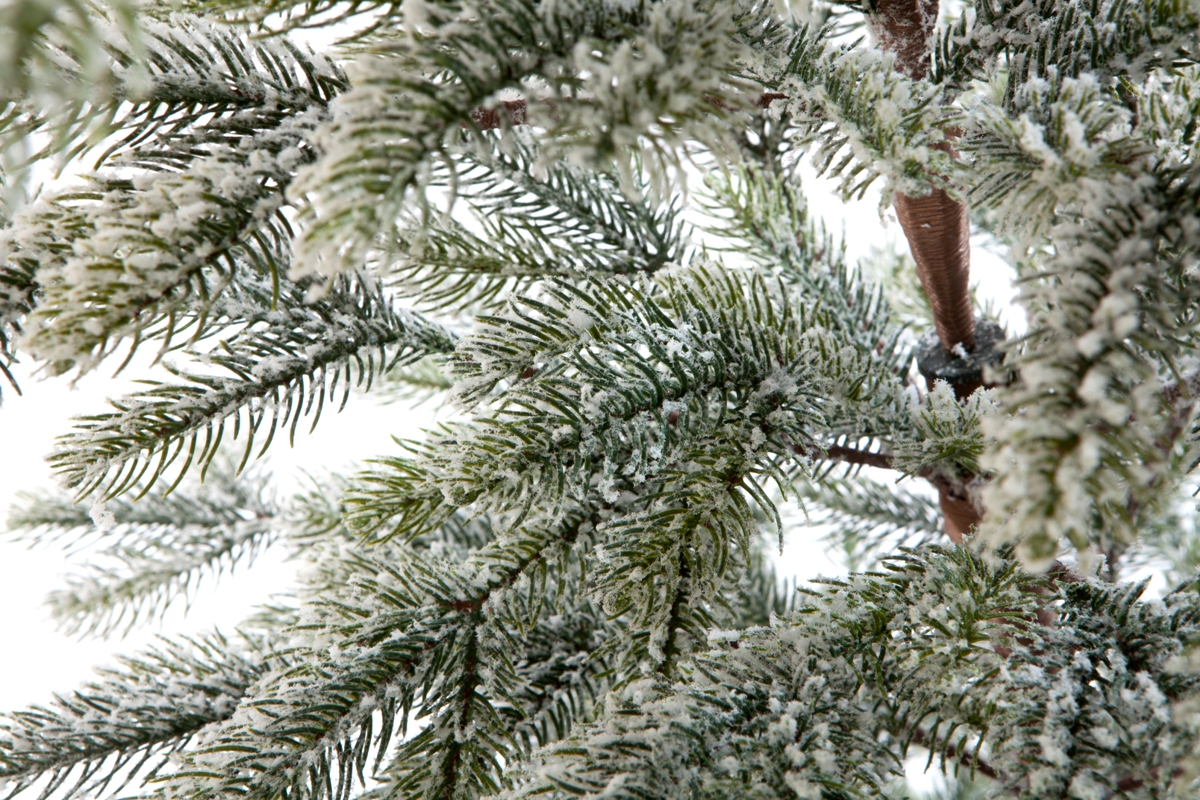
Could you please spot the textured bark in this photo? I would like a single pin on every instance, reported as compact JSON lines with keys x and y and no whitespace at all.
{"x":938,"y":233}
{"x":905,"y":27}
{"x":959,"y":515}
{"x":936,"y":227}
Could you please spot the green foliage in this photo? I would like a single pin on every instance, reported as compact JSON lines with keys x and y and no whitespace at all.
{"x":121,"y":722}
{"x":867,"y":519}
{"x":1048,"y":40}
{"x":361,"y":17}
{"x":1169,"y":542}
{"x":948,"y":433}
{"x":825,"y":703}
{"x":851,"y":103}
{"x":566,"y":590}
{"x":1065,"y":134}
{"x":151,"y":554}
{"x":1112,"y":324}
{"x":185,"y":87}
{"x":431,"y":83}
{"x":281,"y":364}
{"x":17,"y":286}
{"x":763,"y":217}
{"x":531,"y":221}
{"x":466,"y":665}
{"x":674,"y":407}
{"x":218,"y":131}
{"x":41,"y":36}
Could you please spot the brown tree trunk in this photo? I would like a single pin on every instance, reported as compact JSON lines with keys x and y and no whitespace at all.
{"x":937,"y":227}
{"x":905,"y":27}
{"x":938,"y":234}
{"x":959,"y":514}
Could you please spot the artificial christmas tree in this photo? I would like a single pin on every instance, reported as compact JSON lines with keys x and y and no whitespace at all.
{"x":580,"y":221}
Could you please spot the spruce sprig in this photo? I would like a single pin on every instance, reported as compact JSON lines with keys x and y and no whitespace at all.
{"x":144,"y":557}
{"x":419,"y":639}
{"x":534,"y":218}
{"x":1048,"y":40}
{"x":283,"y":366}
{"x":195,"y":194}
{"x":867,"y":120}
{"x":941,"y":648}
{"x":181,"y":88}
{"x":117,"y":730}
{"x":437,"y":80}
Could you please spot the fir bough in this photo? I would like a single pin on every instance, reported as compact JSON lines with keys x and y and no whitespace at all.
{"x":581,"y":224}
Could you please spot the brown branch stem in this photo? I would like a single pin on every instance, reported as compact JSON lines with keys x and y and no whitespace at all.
{"x":850,"y":455}
{"x":959,"y":511}
{"x":937,"y":227}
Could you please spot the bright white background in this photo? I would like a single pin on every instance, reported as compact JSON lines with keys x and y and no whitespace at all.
{"x":36,"y":660}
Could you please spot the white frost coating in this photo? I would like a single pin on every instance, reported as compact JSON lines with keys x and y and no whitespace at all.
{"x":888,"y":121}
{"x":694,"y":387}
{"x":1066,"y":135}
{"x":643,"y":94}
{"x":726,"y":705}
{"x":121,"y":269}
{"x":944,"y":431}
{"x":1068,"y":453}
{"x":130,"y":254}
{"x":103,"y":519}
{"x":416,"y":15}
